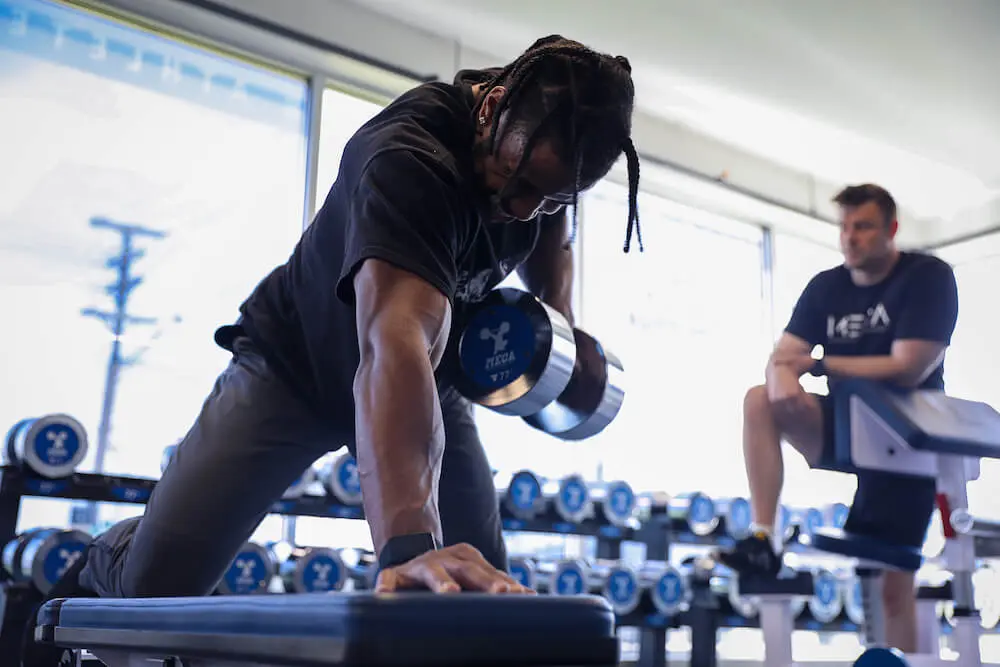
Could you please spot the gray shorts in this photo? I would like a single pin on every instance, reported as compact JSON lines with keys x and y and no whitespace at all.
{"x":250,"y":441}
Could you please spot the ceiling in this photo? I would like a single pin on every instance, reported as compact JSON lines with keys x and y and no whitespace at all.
{"x":899,"y":92}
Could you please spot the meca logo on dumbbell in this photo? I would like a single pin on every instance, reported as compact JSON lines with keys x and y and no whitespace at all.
{"x":518,"y":356}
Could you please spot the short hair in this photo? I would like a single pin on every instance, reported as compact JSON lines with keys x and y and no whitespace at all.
{"x":855,"y":195}
{"x":582,"y":101}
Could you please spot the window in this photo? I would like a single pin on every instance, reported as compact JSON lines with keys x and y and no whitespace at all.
{"x":796,"y":261}
{"x":201,"y":155}
{"x":687,"y":317}
{"x":973,"y":353}
{"x":342,"y":115}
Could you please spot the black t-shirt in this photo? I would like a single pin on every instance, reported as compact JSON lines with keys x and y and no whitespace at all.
{"x":918,"y":300}
{"x":406,"y":193}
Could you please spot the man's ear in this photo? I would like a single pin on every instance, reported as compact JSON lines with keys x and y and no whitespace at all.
{"x":490,"y":105}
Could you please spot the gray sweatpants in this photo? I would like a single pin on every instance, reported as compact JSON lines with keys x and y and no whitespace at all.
{"x":251,"y":440}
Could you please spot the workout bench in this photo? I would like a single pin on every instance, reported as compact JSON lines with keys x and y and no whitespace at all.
{"x":361,"y":629}
{"x":920,"y":433}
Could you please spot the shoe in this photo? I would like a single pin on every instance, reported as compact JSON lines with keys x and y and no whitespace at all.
{"x":752,"y":555}
{"x":68,"y":586}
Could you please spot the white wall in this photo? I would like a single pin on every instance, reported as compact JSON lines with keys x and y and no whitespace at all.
{"x":360,"y":30}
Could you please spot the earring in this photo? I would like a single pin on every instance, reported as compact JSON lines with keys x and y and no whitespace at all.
{"x":482,"y":121}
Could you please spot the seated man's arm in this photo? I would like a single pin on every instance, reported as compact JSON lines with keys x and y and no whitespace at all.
{"x":403,"y":325}
{"x":922,"y":336}
{"x":548,"y":270}
{"x":803,"y":331}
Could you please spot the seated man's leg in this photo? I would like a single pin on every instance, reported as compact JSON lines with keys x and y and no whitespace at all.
{"x":764,"y":427}
{"x":467,"y":497}
{"x":898,"y":510}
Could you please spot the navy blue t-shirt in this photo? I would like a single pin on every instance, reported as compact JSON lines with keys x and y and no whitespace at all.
{"x":406,"y":193}
{"x":918,"y":300}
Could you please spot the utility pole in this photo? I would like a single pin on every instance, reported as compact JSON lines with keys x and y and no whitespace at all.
{"x":117,"y":320}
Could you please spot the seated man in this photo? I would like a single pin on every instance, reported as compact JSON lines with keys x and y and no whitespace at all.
{"x":885,"y":315}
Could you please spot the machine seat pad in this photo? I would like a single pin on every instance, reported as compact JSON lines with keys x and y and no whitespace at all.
{"x":862,"y":547}
{"x":412,"y":628}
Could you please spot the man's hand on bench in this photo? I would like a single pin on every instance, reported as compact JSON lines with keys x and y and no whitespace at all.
{"x":449,"y":570}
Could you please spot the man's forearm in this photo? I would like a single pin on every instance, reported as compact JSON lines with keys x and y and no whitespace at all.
{"x":400,"y":442}
{"x":550,"y":278}
{"x":885,"y":368}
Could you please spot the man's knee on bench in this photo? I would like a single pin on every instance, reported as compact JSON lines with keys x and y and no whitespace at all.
{"x":803,"y":429}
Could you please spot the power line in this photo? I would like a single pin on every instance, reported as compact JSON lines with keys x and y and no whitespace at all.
{"x":117,"y":320}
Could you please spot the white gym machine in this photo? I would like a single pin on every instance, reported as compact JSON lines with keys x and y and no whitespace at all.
{"x":921,"y":433}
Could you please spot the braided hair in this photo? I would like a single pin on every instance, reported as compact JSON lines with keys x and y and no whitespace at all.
{"x":582,"y":101}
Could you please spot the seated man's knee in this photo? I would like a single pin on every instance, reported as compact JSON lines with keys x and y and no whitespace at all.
{"x":756,"y":403}
{"x":899,"y":594}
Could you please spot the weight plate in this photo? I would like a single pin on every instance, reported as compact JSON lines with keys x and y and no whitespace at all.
{"x":853,"y":600}
{"x":619,"y":503}
{"x":318,"y":570}
{"x":671,"y":592}
{"x":569,"y":578}
{"x":622,"y":590}
{"x":52,"y":446}
{"x":524,"y":495}
{"x":343,"y":480}
{"x":515,"y":353}
{"x":826,"y":602}
{"x":13,"y":550}
{"x":523,"y":572}
{"x":701,"y":516}
{"x":250,"y":571}
{"x":573,"y":499}
{"x":812,"y":521}
{"x":835,"y":515}
{"x":738,"y":518}
{"x":592,"y":398}
{"x":48,"y":554}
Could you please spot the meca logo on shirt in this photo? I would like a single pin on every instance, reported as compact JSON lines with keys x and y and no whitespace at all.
{"x":856,"y":325}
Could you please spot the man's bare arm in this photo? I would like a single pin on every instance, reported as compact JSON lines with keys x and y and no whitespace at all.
{"x":787,"y":343}
{"x":403,"y":324}
{"x":548,"y":271}
{"x":908,"y":364}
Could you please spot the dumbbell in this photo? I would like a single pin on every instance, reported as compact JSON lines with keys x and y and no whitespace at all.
{"x":51,"y":446}
{"x":835,"y":515}
{"x":523,"y":496}
{"x":808,"y":520}
{"x":696,"y":511}
{"x":341,"y":480}
{"x":827,"y":600}
{"x":41,"y":556}
{"x":250,"y":571}
{"x":736,"y":516}
{"x":312,"y":570}
{"x":617,"y":500}
{"x":518,"y":356}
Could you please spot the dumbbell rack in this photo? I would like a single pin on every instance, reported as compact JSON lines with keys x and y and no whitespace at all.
{"x":657,"y":532}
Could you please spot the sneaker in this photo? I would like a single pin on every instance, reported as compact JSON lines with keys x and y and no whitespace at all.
{"x":753,"y":555}
{"x":68,"y":586}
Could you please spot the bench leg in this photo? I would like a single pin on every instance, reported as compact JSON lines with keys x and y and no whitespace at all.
{"x":777,"y":624}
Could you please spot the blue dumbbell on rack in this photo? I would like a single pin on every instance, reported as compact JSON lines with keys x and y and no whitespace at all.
{"x":51,"y":446}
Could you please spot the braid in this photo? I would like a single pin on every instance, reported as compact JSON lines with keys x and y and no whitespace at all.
{"x":584,"y":100}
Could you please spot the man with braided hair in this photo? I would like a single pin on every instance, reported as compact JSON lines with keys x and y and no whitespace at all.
{"x":438,"y":198}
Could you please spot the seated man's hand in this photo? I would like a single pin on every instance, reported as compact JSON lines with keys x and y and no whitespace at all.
{"x":449,"y":570}
{"x":787,"y":396}
{"x":793,"y":361}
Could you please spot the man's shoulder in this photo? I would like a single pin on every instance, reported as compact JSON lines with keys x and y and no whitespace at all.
{"x":429,"y":128}
{"x":921,"y":262}
{"x":830,"y":278}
